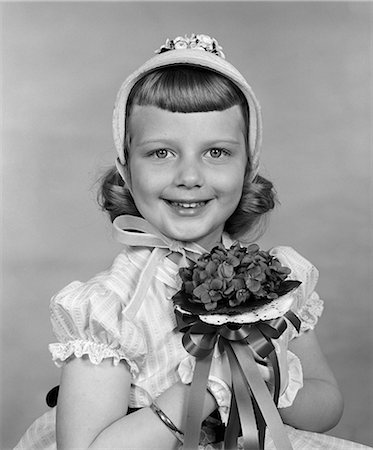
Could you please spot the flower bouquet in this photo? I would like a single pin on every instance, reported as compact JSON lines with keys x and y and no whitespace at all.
{"x":235,"y":285}
{"x":231,"y":297}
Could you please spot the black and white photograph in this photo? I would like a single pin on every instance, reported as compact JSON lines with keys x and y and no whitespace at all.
{"x":186,"y":207}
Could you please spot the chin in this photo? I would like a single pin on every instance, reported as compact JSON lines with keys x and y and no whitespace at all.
{"x":184,"y":235}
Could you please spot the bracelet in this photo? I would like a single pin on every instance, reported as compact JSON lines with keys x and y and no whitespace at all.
{"x":168,"y":422}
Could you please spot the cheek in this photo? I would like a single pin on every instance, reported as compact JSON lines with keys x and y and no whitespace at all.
{"x":142,"y":188}
{"x":140,"y":181}
{"x":231,"y":184}
{"x":146,"y":186}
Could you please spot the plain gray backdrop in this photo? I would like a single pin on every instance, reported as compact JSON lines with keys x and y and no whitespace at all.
{"x":309,"y":64}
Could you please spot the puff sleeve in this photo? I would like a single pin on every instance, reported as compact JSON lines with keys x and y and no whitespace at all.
{"x":307,"y":304}
{"x":87,"y":319}
{"x":308,"y":307}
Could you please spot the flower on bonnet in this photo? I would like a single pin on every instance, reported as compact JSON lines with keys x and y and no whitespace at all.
{"x":180,"y":43}
{"x":195,"y":41}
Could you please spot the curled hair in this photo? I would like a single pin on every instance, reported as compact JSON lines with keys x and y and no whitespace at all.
{"x":248,"y":221}
{"x":185,"y":89}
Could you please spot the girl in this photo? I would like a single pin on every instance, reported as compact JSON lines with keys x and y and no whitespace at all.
{"x":187,"y":129}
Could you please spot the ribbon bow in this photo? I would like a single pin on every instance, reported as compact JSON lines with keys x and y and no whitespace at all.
{"x":252,"y":407}
{"x":137,"y":232}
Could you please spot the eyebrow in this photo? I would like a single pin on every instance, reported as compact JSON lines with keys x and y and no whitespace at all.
{"x":211,"y":142}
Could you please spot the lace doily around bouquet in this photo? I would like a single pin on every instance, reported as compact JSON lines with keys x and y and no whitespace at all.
{"x":260,"y":312}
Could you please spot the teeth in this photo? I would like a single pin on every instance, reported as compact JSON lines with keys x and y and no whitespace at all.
{"x":187,"y":205}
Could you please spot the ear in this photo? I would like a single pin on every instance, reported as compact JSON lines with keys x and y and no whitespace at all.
{"x":123,"y":172}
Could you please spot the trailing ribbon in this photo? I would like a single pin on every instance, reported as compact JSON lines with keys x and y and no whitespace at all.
{"x":137,"y":232}
{"x":252,"y":407}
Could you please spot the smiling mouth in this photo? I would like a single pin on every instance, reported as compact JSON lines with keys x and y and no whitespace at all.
{"x":187,"y":205}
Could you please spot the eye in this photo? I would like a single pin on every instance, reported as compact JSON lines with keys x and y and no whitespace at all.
{"x":218,"y":152}
{"x":161,"y":153}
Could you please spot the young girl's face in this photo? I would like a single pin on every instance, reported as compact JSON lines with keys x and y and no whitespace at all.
{"x":186,"y":170}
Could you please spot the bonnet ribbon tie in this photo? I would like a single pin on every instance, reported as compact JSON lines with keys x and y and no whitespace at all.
{"x":252,"y":405}
{"x":137,"y":232}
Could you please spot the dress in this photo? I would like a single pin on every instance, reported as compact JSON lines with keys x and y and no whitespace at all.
{"x":90,"y":319}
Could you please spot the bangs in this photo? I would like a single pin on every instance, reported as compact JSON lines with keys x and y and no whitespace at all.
{"x":186,"y":89}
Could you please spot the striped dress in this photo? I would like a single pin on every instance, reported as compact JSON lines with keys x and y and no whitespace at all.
{"x":90,"y":319}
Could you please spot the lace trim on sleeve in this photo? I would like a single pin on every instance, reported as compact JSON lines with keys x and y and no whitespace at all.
{"x":311,"y":311}
{"x":295,"y":382}
{"x":95,"y":351}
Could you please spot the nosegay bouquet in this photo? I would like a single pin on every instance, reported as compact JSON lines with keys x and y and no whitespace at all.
{"x":232,"y":281}
{"x":236,"y":299}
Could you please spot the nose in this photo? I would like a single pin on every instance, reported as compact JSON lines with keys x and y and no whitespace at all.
{"x":190,"y":173}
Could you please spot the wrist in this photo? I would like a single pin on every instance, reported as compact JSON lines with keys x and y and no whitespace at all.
{"x":163,"y":417}
{"x":174,"y":402}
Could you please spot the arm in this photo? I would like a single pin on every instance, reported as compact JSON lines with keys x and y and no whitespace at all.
{"x":92,"y":406}
{"x":318,"y":406}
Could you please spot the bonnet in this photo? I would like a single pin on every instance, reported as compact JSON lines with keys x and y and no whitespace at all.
{"x":199,"y":51}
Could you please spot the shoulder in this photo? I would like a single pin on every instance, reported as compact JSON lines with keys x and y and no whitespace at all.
{"x":100,"y":300}
{"x":118,"y":280}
